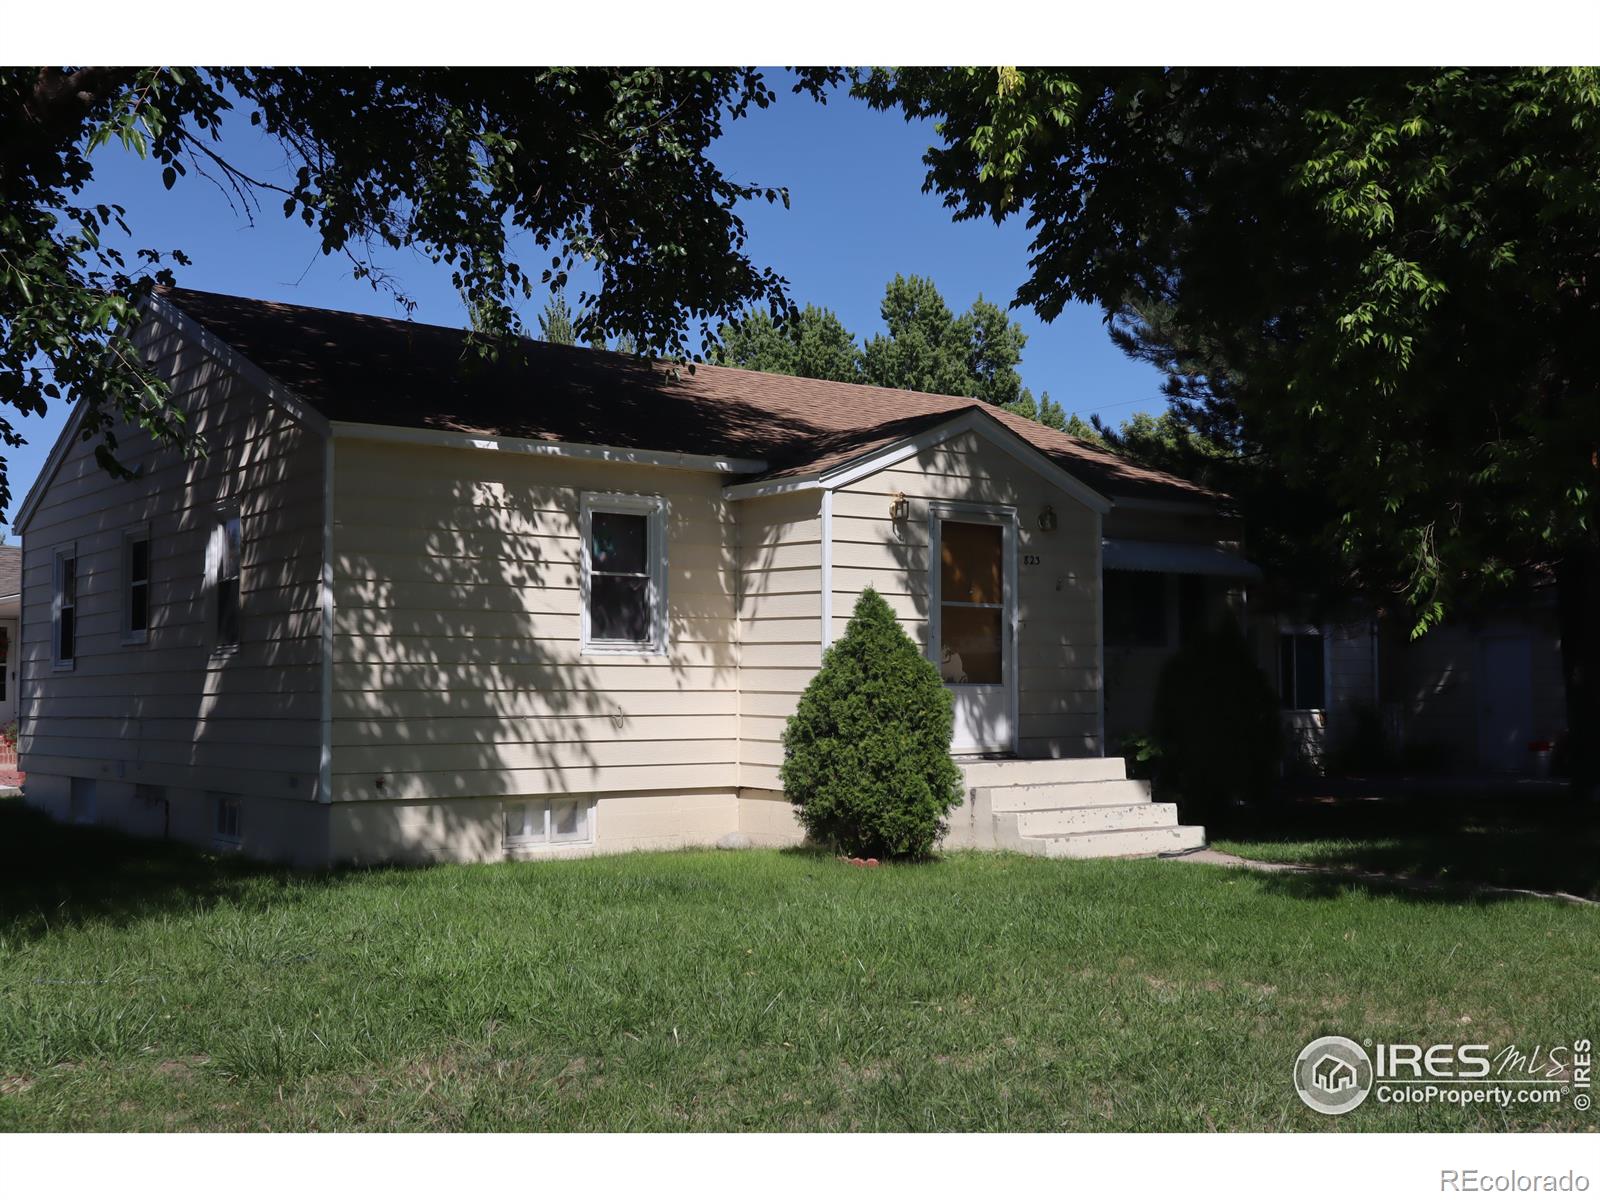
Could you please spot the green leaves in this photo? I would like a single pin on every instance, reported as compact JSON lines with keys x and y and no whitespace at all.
{"x":1372,"y":283}
{"x":609,"y":166}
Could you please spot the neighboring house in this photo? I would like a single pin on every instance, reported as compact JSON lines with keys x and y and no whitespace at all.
{"x":1480,"y":694}
{"x":414,"y":604}
{"x":10,"y":629}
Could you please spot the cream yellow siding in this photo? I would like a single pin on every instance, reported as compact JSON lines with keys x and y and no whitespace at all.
{"x":780,"y":623}
{"x":458,"y":670}
{"x":1058,"y":640}
{"x":177,"y":711}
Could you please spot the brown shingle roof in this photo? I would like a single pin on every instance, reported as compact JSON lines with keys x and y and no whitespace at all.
{"x":386,"y":372}
{"x":10,"y":570}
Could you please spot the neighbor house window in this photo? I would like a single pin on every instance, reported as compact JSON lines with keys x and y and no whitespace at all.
{"x":1301,"y":677}
{"x":555,"y":822}
{"x":136,"y":585}
{"x":223,"y":570}
{"x":1135,"y":608}
{"x":226,"y":812}
{"x":624,"y":574}
{"x":64,"y":607}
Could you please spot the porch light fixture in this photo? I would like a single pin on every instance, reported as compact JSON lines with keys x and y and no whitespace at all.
{"x":899,"y":506}
{"x":1047,"y":519}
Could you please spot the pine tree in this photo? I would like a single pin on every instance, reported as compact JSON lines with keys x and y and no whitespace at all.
{"x":555,"y":322}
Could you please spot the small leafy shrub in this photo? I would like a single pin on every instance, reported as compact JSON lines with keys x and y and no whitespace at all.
{"x":1141,"y":754}
{"x":1364,"y":745}
{"x":867,"y":752}
{"x":8,"y":734}
{"x":1217,"y":725}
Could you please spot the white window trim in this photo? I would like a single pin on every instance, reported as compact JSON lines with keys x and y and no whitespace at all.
{"x":213,"y":577}
{"x":545,"y":842}
{"x":62,"y":553}
{"x":655,"y":508}
{"x":1288,"y":630}
{"x":135,"y":533}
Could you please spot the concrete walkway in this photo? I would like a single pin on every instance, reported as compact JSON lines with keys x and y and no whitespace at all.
{"x":1217,"y":858}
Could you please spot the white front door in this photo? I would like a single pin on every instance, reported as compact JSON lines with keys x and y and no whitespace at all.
{"x":1505,"y":702}
{"x":973,"y":623}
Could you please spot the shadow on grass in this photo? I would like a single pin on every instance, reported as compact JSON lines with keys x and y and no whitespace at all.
{"x":1538,"y":840}
{"x":53,"y":875}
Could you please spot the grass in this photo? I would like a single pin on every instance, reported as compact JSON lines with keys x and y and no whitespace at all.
{"x":1540,"y":841}
{"x":149,"y":987}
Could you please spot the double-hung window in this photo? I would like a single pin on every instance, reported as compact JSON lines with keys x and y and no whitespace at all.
{"x":222,"y":570}
{"x":136,"y":585}
{"x":624,"y":574}
{"x":1301,"y":673}
{"x":64,"y":607}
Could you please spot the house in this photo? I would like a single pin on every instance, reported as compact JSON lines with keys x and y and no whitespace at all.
{"x":10,"y":621}
{"x":414,"y":604}
{"x":1332,"y":1074}
{"x":1480,"y":694}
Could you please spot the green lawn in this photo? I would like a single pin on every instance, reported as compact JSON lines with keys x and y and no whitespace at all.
{"x":1540,"y":841}
{"x":146,"y":987}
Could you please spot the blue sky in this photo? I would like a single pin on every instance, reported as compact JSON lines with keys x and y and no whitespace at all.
{"x":857,"y":216}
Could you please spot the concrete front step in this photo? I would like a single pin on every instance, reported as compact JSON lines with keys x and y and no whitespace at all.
{"x":1106,"y":818}
{"x":1089,"y":793}
{"x":1121,"y":843}
{"x":1020,"y":772}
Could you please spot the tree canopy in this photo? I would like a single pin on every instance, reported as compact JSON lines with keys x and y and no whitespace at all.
{"x":507,"y":179}
{"x":927,"y":348}
{"x":1380,"y":281}
{"x":1382,"y":278}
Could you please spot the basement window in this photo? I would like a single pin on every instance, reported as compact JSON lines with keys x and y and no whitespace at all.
{"x":562,"y":821}
{"x":624,"y":574}
{"x":81,"y":801}
{"x":228,"y":822}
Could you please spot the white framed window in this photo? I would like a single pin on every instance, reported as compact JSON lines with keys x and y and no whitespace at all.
{"x":1302,"y":670}
{"x":81,"y":801}
{"x":227,"y":825}
{"x":223,"y":555}
{"x":64,"y":608}
{"x":624,"y":584}
{"x":559,"y":821}
{"x":136,"y":585}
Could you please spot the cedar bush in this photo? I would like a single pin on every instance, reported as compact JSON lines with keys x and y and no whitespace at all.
{"x":867,"y":752}
{"x":1216,"y":724}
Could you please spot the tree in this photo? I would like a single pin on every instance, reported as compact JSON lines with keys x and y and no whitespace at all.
{"x":555,"y":322}
{"x":924,"y":350}
{"x":1385,"y":277}
{"x":813,"y":345}
{"x":866,"y":756}
{"x":608,"y":166}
